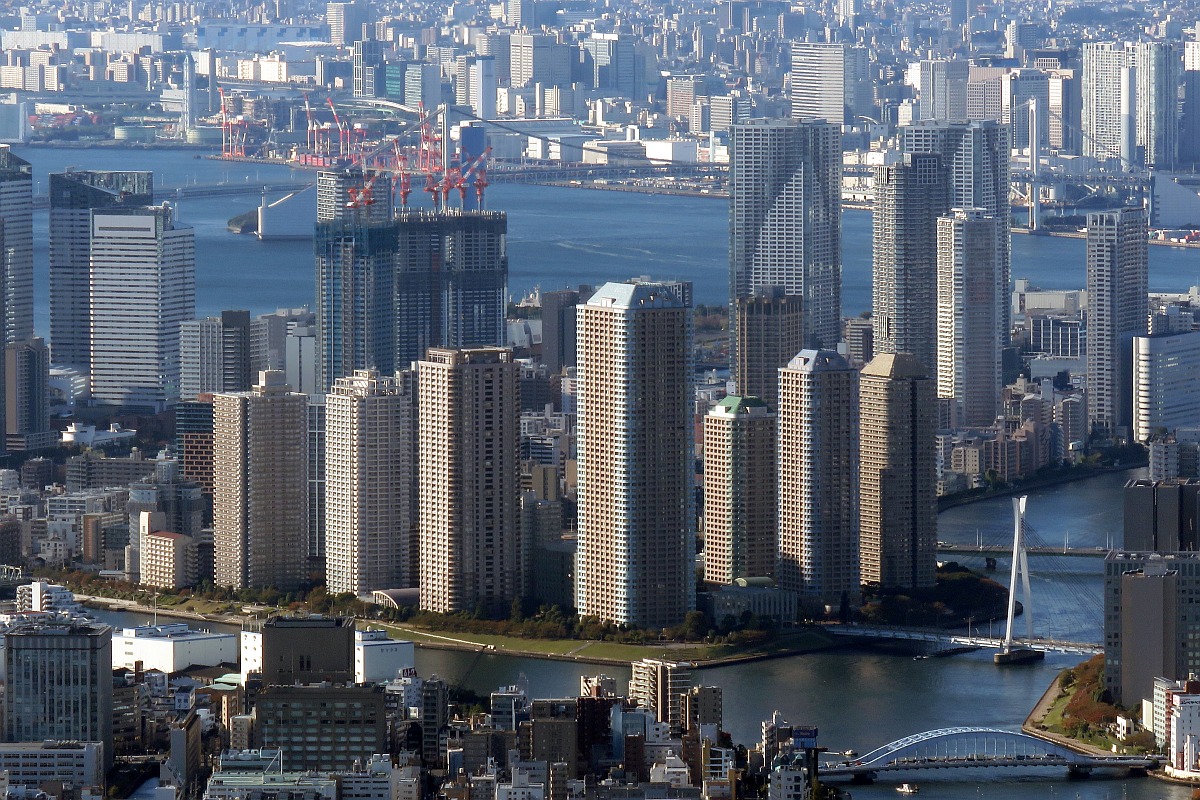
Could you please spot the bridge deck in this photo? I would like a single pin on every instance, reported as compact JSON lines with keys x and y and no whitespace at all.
{"x":934,"y":636}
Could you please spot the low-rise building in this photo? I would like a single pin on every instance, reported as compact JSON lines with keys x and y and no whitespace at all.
{"x":77,"y":764}
{"x":168,"y":560}
{"x":378,"y":658}
{"x":172,"y":648}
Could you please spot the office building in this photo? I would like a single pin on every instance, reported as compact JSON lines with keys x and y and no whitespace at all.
{"x":818,"y":479}
{"x":71,"y":763}
{"x":975,"y":155}
{"x":215,"y":355}
{"x":635,"y":463}
{"x":322,"y":728}
{"x":260,"y":472}
{"x":1148,"y":630}
{"x":968,"y":352}
{"x":538,"y":59}
{"x":345,"y":21}
{"x":378,"y":658}
{"x":830,"y":82}
{"x":73,"y":197}
{"x":368,"y":477}
{"x":26,"y":402}
{"x":1117,"y":312}
{"x":785,"y":217}
{"x":1166,"y":372}
{"x":300,"y":650}
{"x":910,"y":195}
{"x":740,"y":537}
{"x":471,"y":554}
{"x":143,"y":287}
{"x":59,"y":683}
{"x":769,"y":330}
{"x":1063,"y":126}
{"x":366,"y":59}
{"x":898,"y":422}
{"x":1161,"y":516}
{"x":16,"y":209}
{"x":943,"y":85}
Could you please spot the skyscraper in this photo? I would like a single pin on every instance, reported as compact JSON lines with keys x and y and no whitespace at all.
{"x":451,"y":281}
{"x":260,"y":472}
{"x":1117,"y":312}
{"x":345,"y":22}
{"x":898,"y":473}
{"x":829,"y":81}
{"x":368,"y":478}
{"x":59,"y":682}
{"x":16,"y":209}
{"x":26,"y":402}
{"x":143,"y":286}
{"x":785,"y":208}
{"x":214,"y":354}
{"x":469,"y":486}
{"x":389,"y":289}
{"x":740,"y":503}
{"x":769,"y":330}
{"x":635,"y":471}
{"x":910,"y":194}
{"x":944,"y":88}
{"x":1102,"y":90}
{"x":975,"y":155}
{"x":968,"y":352}
{"x":1157,"y":65}
{"x":73,"y":197}
{"x":818,"y":478}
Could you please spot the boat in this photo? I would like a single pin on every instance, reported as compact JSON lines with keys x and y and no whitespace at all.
{"x":908,"y":788}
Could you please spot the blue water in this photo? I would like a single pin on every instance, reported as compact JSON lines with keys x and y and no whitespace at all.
{"x":558,"y":237}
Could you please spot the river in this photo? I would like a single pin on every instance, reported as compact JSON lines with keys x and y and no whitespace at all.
{"x":861,"y":699}
{"x":560,"y":237}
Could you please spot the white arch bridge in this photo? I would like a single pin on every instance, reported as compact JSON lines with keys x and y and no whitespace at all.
{"x":974,"y":748}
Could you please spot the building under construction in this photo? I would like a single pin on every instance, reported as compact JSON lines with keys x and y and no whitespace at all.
{"x":390,"y":284}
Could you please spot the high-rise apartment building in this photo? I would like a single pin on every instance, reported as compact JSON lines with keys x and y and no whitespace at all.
{"x":975,"y":155}
{"x":659,"y":686}
{"x":194,"y":446}
{"x":1102,"y":98}
{"x":143,"y":287}
{"x":58,"y":682}
{"x":1117,"y":286}
{"x":389,"y":289}
{"x":214,"y":354}
{"x":818,"y":478}
{"x":740,"y":535}
{"x":635,"y":462}
{"x":73,"y":197}
{"x":769,"y":330}
{"x":469,"y":408}
{"x":785,"y":217}
{"x":368,"y":481}
{"x":16,"y":209}
{"x":910,"y":194}
{"x":451,"y":281}
{"x":181,"y":503}
{"x":1131,"y":103}
{"x":829,"y":82}
{"x":26,"y":401}
{"x":260,"y":474}
{"x":898,"y":420}
{"x":968,"y":352}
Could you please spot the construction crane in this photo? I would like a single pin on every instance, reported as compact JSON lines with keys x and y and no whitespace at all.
{"x":343,"y":130}
{"x":312,"y":136}
{"x":476,"y":165}
{"x":362,"y":196}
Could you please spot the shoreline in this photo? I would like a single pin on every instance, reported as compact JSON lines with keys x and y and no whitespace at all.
{"x":1050,"y":481}
{"x":441,"y":641}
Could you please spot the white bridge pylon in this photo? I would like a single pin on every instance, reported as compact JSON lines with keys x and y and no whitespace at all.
{"x":1020,"y":568}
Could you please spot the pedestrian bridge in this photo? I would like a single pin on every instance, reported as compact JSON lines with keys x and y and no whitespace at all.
{"x":963,"y":748}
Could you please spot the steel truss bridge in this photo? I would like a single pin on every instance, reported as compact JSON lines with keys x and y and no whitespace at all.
{"x":976,"y":748}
